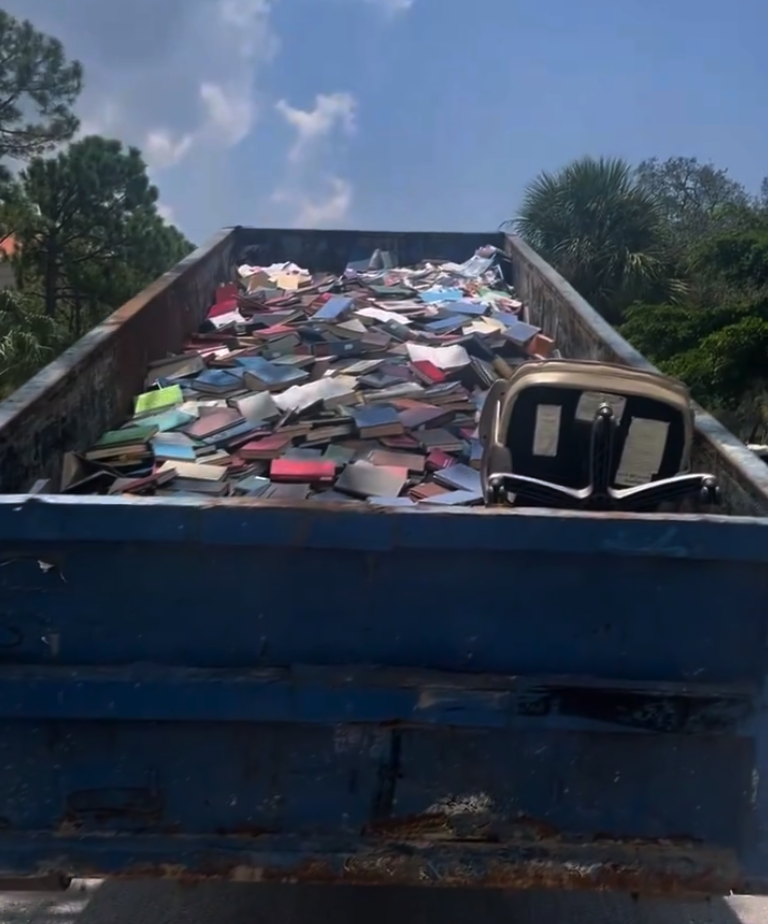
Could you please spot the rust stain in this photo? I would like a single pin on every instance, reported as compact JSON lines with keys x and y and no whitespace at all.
{"x":678,"y":876}
{"x":671,"y":840}
{"x":409,"y":826}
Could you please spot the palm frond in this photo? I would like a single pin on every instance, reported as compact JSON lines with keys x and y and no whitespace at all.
{"x":600,"y":229}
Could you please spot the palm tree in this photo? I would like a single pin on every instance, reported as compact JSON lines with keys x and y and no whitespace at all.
{"x":604,"y":233}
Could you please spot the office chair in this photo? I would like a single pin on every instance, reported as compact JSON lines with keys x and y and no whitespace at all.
{"x":585,"y":435}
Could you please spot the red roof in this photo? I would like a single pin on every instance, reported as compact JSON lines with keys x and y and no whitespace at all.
{"x":8,"y":245}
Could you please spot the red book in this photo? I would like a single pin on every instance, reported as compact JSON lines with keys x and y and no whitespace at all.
{"x":438,"y":459}
{"x":266,"y":448}
{"x":223,"y":308}
{"x":276,"y":330}
{"x":306,"y":471}
{"x":226,"y":292}
{"x":429,"y":371}
{"x":399,"y":442}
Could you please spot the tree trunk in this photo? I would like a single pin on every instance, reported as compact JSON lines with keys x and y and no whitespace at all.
{"x":77,"y":308}
{"x":51,"y":277}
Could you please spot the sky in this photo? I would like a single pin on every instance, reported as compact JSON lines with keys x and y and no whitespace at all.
{"x":407,"y":114}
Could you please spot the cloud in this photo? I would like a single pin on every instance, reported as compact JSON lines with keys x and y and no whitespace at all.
{"x":311,"y":211}
{"x":166,"y":213}
{"x":215,"y":49}
{"x":229,"y":112}
{"x":392,"y":6}
{"x":331,"y":111}
{"x":163,"y":150}
{"x":315,"y":197}
{"x":180,"y":79}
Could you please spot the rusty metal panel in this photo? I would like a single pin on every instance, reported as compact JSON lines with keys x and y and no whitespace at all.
{"x":655,"y":869}
{"x":378,"y":805}
{"x":74,"y":399}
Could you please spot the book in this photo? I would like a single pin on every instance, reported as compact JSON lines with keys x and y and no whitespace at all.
{"x":307,"y":471}
{"x":217,"y":381}
{"x":175,"y":367}
{"x":363,"y":479}
{"x":459,"y":476}
{"x":439,"y":439}
{"x":428,"y":372}
{"x":207,"y":424}
{"x":334,"y":308}
{"x":173,"y":446}
{"x":194,"y":471}
{"x":127,"y":436}
{"x":423,"y":415}
{"x":330,"y":392}
{"x":269,"y":376}
{"x":168,"y":420}
{"x":286,"y":492}
{"x":268,"y":447}
{"x":376,"y":420}
{"x":257,"y":406}
{"x":160,"y":399}
{"x":409,"y":460}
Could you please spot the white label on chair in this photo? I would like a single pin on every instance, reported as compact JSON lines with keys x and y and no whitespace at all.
{"x":547,"y":433}
{"x":643,"y":451}
{"x":591,"y":401}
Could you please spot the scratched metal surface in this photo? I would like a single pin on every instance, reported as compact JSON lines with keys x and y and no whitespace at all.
{"x":575,"y":702}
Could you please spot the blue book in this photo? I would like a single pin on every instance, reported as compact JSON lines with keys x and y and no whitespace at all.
{"x":271,"y":375}
{"x":216,"y":380}
{"x":368,"y":416}
{"x":174,"y":446}
{"x":432,"y":296}
{"x":462,"y":306}
{"x":224,"y":436}
{"x":333,"y":309}
{"x":445,"y":325}
{"x":169,"y":420}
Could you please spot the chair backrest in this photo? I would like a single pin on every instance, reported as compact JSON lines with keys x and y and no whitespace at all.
{"x":539,"y":423}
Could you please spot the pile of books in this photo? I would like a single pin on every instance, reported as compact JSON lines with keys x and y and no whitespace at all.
{"x":362,"y":388}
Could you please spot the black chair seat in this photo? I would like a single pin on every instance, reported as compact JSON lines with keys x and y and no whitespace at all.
{"x":583,"y":435}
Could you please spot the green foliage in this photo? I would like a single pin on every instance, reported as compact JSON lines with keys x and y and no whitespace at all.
{"x":28,"y":338}
{"x":91,"y":234}
{"x":726,"y":363}
{"x":38,"y":88}
{"x":84,"y":217}
{"x":599,"y":228}
{"x":660,"y":332}
{"x":676,"y":252}
{"x":737,"y":258}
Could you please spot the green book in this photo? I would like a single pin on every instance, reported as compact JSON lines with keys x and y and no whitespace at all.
{"x":126,"y":437}
{"x":159,"y":399}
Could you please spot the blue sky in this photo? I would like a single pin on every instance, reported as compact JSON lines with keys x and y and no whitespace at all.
{"x":429,"y":114}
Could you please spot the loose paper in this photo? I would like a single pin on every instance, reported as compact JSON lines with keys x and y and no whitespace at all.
{"x":379,"y":314}
{"x":448,"y":357}
{"x":643,"y":451}
{"x":546,"y":436}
